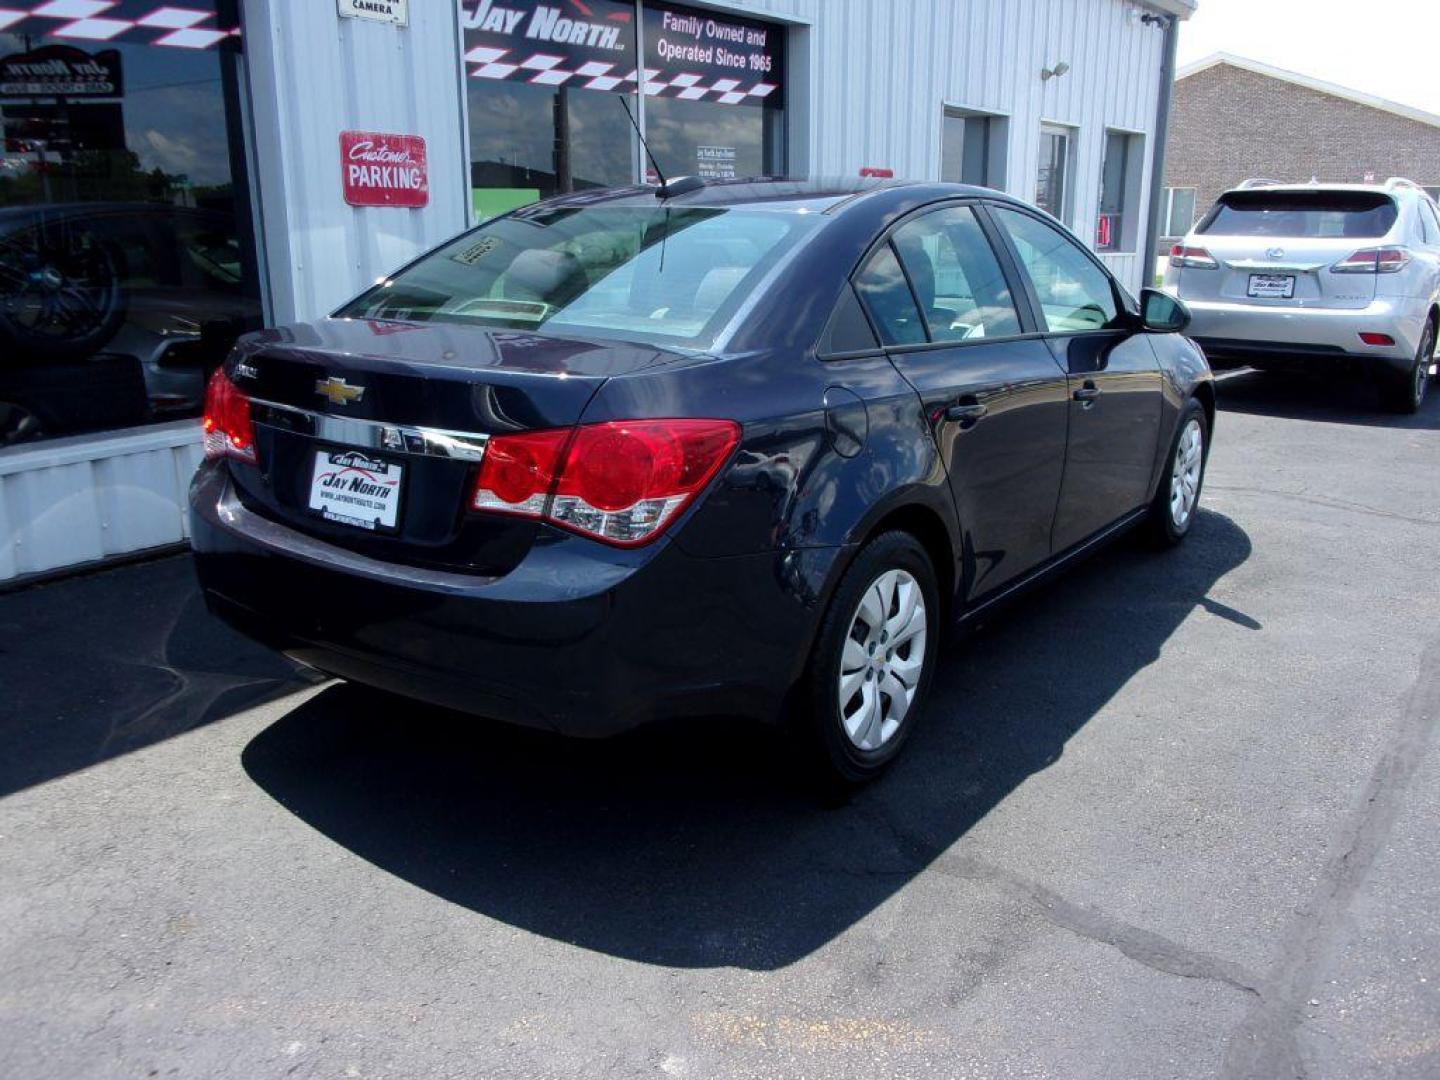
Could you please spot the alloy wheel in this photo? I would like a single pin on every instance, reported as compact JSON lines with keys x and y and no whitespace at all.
{"x":883,"y":659}
{"x":1185,"y":473}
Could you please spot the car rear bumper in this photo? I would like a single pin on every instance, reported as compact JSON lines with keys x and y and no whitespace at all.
{"x":574,"y":639}
{"x":1231,"y":329}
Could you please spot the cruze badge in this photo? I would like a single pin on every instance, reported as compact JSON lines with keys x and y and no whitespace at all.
{"x":338,"y":391}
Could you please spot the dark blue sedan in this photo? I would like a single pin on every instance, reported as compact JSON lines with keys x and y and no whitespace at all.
{"x":740,"y":449}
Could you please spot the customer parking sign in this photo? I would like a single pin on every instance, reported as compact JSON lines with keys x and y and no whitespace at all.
{"x":384,"y":170}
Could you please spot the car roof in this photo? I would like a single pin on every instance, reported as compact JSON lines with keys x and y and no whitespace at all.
{"x":816,"y":195}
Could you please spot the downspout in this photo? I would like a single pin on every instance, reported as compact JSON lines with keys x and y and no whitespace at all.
{"x":1157,"y":162}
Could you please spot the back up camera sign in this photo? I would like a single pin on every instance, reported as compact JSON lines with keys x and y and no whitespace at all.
{"x":396,"y":12}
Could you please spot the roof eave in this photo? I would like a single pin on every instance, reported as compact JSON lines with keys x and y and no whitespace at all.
{"x":1181,"y":9}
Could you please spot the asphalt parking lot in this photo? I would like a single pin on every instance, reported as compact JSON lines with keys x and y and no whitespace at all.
{"x":1175,"y":816}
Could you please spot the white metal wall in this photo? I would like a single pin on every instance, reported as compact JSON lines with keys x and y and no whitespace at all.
{"x":313,"y":75}
{"x":72,"y":501}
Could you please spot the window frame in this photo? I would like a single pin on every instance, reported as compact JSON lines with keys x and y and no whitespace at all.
{"x":997,"y":143}
{"x":1126,"y":239}
{"x":1124,"y":305}
{"x":1071,"y":134}
{"x":1168,"y":217}
{"x":1015,"y":281}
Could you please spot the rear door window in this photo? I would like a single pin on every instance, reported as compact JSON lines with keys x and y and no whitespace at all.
{"x":1301,"y":215}
{"x":956,"y":276}
{"x":887,"y":296}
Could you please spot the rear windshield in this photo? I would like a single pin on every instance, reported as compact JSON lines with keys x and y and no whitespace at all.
{"x":648,"y":273}
{"x":1299,"y":215}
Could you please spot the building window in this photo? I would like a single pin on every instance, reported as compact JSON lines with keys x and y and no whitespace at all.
{"x":1178,"y":211}
{"x":127,"y":255}
{"x":548,"y":86}
{"x":1052,"y":179}
{"x":972,"y":149}
{"x":1116,"y":227}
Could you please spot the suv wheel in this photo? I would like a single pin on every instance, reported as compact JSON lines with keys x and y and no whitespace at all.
{"x":1405,"y":391}
{"x":872,"y":662}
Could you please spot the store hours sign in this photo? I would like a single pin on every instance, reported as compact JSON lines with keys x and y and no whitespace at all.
{"x":384,"y":170}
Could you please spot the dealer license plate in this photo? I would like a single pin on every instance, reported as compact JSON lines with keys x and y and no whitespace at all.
{"x":354,"y":488}
{"x":1272,"y":286}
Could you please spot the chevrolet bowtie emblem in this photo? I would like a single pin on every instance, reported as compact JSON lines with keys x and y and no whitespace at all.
{"x":338,"y":391}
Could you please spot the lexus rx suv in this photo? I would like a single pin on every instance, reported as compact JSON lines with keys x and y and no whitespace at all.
{"x":1277,"y":274}
{"x":739,"y":449}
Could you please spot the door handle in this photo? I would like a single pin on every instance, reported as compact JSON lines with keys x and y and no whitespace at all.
{"x":966,"y":411}
{"x":1087,"y":394}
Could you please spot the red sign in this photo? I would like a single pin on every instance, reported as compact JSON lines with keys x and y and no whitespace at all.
{"x":877,"y":172}
{"x":1104,"y":233}
{"x":384,"y":170}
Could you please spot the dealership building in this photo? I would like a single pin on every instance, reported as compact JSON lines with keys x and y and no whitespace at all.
{"x":174,"y":174}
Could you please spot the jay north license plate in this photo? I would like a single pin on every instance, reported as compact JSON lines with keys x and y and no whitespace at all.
{"x":356,"y":489}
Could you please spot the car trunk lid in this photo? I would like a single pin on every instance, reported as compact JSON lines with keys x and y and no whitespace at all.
{"x":374,"y":405}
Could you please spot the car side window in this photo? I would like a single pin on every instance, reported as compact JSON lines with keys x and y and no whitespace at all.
{"x":887,"y":296}
{"x":1431,"y":222}
{"x":1075,"y":295}
{"x":956,"y":277}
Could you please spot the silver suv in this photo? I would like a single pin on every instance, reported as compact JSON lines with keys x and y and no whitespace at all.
{"x":1276,"y":273}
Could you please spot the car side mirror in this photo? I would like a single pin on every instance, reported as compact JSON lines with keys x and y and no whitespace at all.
{"x":1163,"y":313}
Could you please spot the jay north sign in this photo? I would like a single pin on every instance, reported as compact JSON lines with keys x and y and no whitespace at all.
{"x":591,"y":45}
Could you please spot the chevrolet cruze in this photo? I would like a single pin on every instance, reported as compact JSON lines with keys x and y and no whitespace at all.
{"x":740,"y":449}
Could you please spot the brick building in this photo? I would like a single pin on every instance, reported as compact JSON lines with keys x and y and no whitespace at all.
{"x":1236,"y":118}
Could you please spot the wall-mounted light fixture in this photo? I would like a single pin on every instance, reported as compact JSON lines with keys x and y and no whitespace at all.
{"x":1046,"y":74}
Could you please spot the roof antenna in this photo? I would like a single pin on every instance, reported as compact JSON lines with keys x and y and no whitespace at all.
{"x":668,"y":188}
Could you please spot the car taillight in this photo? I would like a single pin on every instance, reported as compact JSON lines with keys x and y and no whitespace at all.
{"x":1192,"y":258}
{"x":228,"y":432}
{"x":1386,"y":260}
{"x":621,"y":481}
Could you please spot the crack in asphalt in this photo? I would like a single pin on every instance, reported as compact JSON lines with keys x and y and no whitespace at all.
{"x":1328,"y":503}
{"x":1265,"y":1046}
{"x":1144,"y":947}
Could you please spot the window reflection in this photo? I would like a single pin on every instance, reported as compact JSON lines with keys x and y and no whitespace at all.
{"x":126,"y":267}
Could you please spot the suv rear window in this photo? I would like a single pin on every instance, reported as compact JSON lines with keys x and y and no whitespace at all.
{"x":1301,"y":214}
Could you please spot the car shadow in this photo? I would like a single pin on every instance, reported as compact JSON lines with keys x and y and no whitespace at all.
{"x":693,"y":845}
{"x":1335,"y":399}
{"x":95,"y":666}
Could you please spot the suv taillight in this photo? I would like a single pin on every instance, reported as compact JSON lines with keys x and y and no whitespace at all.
{"x":228,"y":432}
{"x":1386,"y":260}
{"x":1192,"y":258}
{"x":621,"y":482}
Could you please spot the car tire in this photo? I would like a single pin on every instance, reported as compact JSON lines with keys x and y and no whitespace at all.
{"x":1177,"y":496}
{"x":1405,"y":391}
{"x":845,"y":743}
